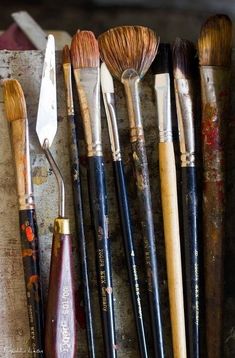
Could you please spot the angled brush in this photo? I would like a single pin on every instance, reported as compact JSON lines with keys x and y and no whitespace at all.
{"x":86,"y":62}
{"x":78,"y":205}
{"x":128,"y":52}
{"x":185,"y":75}
{"x":16,"y":113}
{"x":214,"y":46}
{"x":109,"y":104}
{"x":162,"y":69}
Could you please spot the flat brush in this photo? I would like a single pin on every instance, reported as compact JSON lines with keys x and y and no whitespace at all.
{"x":185,"y":75}
{"x":16,"y":113}
{"x":214,"y":46}
{"x":161,"y":69}
{"x":86,"y":62}
{"x":109,"y":104}
{"x":78,"y":205}
{"x":128,"y":52}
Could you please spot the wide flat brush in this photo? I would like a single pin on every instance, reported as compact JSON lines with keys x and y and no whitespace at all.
{"x":78,"y":205}
{"x":16,"y":113}
{"x":109,"y":104}
{"x":86,"y":66}
{"x":162,"y":69}
{"x":214,"y":47}
{"x":185,"y":77}
{"x":128,"y":52}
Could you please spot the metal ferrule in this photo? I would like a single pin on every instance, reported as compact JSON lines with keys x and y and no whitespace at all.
{"x":185,"y":116}
{"x":130,"y":80}
{"x":88,"y":86}
{"x":109,"y":104}
{"x":163,"y":98}
{"x":69,"y":89}
{"x":61,"y":226}
{"x":59,"y":178}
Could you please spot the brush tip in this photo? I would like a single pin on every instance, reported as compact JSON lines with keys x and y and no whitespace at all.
{"x":185,"y":63}
{"x":66,"y":55}
{"x":15,"y":106}
{"x":162,"y":62}
{"x":106,"y":79}
{"x":215,"y":41}
{"x":84,"y":50}
{"x":128,"y":47}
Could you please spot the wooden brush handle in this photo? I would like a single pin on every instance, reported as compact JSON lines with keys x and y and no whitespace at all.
{"x":172,"y":244}
{"x":60,"y":327}
{"x":99,"y":211}
{"x":146,"y":217}
{"x":30,"y":255}
{"x":192,"y":259}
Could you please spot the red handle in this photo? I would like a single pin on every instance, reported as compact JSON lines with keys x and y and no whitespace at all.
{"x":60,"y":329}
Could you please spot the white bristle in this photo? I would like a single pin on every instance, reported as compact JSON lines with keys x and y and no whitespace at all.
{"x":106,"y":79}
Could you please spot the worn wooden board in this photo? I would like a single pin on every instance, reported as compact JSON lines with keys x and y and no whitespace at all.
{"x":14,"y":331}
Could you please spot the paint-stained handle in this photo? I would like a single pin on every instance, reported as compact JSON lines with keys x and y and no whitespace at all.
{"x":98,"y":200}
{"x":192,"y":256}
{"x":146,"y":217}
{"x":172,"y":243}
{"x":60,"y":325}
{"x":30,"y":254}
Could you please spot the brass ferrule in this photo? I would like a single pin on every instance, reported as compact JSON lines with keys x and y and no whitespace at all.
{"x":130,"y":80}
{"x":109,"y":104}
{"x":61,"y":226}
{"x":163,"y":99}
{"x":68,"y":88}
{"x":185,"y":115}
{"x":88,"y":87}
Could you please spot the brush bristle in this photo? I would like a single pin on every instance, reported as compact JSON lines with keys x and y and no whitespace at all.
{"x":128,"y":47}
{"x":66,"y":55}
{"x":162,"y":62}
{"x":185,"y":62}
{"x":215,"y":41}
{"x":84,"y":50}
{"x":15,"y":106}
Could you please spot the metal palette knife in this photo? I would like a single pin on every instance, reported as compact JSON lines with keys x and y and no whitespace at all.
{"x":60,"y":328}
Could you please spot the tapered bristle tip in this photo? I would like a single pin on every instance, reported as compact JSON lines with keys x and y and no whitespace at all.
{"x":15,"y":106}
{"x":66,"y":55}
{"x":185,"y":61}
{"x":162,"y":62}
{"x":84,"y":50}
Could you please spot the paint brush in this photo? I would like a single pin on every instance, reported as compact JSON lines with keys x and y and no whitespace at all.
{"x":86,"y":62}
{"x":161,"y":69}
{"x":16,"y":114}
{"x":185,"y":76}
{"x":60,"y":325}
{"x":128,"y":52}
{"x":214,"y":46}
{"x":78,"y":205}
{"x":110,"y":110}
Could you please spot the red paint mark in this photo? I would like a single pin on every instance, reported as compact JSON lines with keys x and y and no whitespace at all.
{"x":224,"y":93}
{"x":29,"y":233}
{"x":116,"y":346}
{"x":109,"y":290}
{"x":80,"y":312}
{"x":23,"y":227}
{"x":27,"y":252}
{"x":100,"y":233}
{"x":33,"y":280}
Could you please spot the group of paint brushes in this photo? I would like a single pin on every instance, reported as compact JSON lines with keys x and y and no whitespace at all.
{"x":128,"y":52}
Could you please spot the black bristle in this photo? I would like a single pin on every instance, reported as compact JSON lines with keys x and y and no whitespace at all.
{"x":162,"y":62}
{"x":185,"y":60}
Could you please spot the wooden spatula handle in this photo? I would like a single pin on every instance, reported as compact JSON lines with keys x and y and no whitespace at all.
{"x":60,"y":329}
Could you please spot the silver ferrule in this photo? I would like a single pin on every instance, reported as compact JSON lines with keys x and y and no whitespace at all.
{"x":163,"y":99}
{"x":59,"y":178}
{"x":185,"y":115}
{"x":88,"y":86}
{"x":68,"y":88}
{"x":109,"y":104}
{"x":130,"y":80}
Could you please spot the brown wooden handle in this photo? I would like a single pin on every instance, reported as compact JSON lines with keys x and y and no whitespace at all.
{"x":60,"y":329}
{"x":172,"y":244}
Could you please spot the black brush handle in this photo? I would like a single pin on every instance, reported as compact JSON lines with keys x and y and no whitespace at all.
{"x":78,"y":206}
{"x":99,"y":209}
{"x":191,"y":256}
{"x":146,"y":216}
{"x":130,"y":255}
{"x":30,"y":255}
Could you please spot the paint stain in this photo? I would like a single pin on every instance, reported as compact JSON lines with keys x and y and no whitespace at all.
{"x":39,"y":175}
{"x":34,"y":279}
{"x":29,"y":233}
{"x":109,"y":290}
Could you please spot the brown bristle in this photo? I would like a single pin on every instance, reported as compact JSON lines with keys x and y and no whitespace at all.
{"x":84,"y":50}
{"x":215,"y":41}
{"x":128,"y":47}
{"x":15,"y":106}
{"x":66,"y":55}
{"x":185,"y":62}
